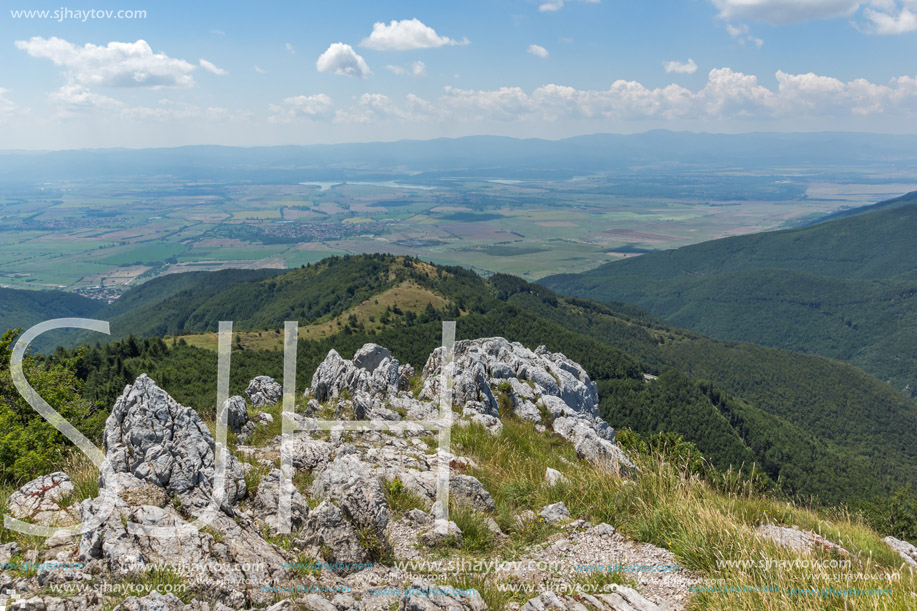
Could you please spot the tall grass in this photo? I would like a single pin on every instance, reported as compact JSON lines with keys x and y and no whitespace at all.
{"x":704,"y":525}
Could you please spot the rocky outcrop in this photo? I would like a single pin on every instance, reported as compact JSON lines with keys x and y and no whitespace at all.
{"x":907,"y":551}
{"x":265,"y":505}
{"x":154,"y":438}
{"x":590,"y":446}
{"x":347,"y":480}
{"x":556,"y":512}
{"x":622,"y":598}
{"x":798,"y":540}
{"x":40,"y":501}
{"x":236,"y":413}
{"x":373,"y":371}
{"x":327,"y":528}
{"x":264,"y":391}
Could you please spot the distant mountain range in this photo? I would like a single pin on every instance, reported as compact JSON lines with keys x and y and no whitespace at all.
{"x":844,"y":288}
{"x":814,"y":426}
{"x":443,"y":158}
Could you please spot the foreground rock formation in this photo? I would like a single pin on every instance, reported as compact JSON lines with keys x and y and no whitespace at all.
{"x":176,"y":509}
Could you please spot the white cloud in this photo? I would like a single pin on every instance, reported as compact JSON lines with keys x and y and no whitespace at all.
{"x":71,"y":99}
{"x":260,"y":70}
{"x":342,"y":59}
{"x":406,"y":35}
{"x":418,"y":69}
{"x":889,"y":23}
{"x":289,"y":49}
{"x":550,"y":6}
{"x":119,"y":64}
{"x":783,"y":12}
{"x":213,"y":69}
{"x":727,"y":94}
{"x":538,"y":51}
{"x":376,"y":107}
{"x":688,"y":67}
{"x":302,"y":106}
{"x":740,"y":33}
{"x":166,"y":111}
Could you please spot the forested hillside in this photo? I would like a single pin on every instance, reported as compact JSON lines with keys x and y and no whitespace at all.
{"x":814,"y":427}
{"x":845,"y":288}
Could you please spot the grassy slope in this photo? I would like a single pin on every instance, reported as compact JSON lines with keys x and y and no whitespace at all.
{"x":798,"y":417}
{"x":845,"y":289}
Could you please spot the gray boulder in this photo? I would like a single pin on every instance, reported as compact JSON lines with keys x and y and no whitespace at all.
{"x":370,"y":356}
{"x":552,"y":477}
{"x":266,"y":504}
{"x":591,"y":447}
{"x":154,"y":601}
{"x":349,"y":481}
{"x":557,"y":512}
{"x":237,"y":413}
{"x":907,"y":551}
{"x":264,"y":391}
{"x":373,"y":371}
{"x":327,"y":527}
{"x":39,"y":501}
{"x":154,"y":438}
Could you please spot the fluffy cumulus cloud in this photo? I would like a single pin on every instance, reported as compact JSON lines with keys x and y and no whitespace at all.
{"x":550,"y":6}
{"x":212,"y":68}
{"x":341,"y":59}
{"x":783,"y":12}
{"x":538,"y":51}
{"x":726,"y":94}
{"x":417,"y":69}
{"x":302,"y":106}
{"x":117,"y":64}
{"x":688,"y":67}
{"x":406,"y":35}
{"x":888,"y":18}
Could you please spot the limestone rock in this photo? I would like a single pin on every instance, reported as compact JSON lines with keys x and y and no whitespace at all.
{"x":266,"y":504}
{"x":907,"y":551}
{"x":591,"y":447}
{"x":347,"y":480}
{"x":373,"y":371}
{"x":797,"y":539}
{"x":264,"y":391}
{"x":154,"y":438}
{"x":154,"y":601}
{"x":552,"y":477}
{"x":237,"y":413}
{"x":470,"y":490}
{"x":555,"y":513}
{"x":39,"y":501}
{"x":326,"y":526}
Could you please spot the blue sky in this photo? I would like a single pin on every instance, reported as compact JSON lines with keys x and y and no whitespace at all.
{"x":308,"y":72}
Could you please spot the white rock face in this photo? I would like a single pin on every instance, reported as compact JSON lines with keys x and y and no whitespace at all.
{"x":372,"y":372}
{"x":39,"y":501}
{"x":154,"y":438}
{"x":264,"y":391}
{"x":552,"y":477}
{"x":907,"y":551}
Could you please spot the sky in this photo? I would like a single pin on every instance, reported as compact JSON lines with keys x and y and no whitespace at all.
{"x":135,"y":73}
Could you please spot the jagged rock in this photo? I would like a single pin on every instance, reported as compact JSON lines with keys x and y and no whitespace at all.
{"x":326,"y":526}
{"x":555,"y":513}
{"x":151,"y":436}
{"x":552,"y":477}
{"x":237,"y":413}
{"x":314,"y":602}
{"x":348,"y":481}
{"x":405,"y":373}
{"x":307,"y":453}
{"x":228,"y":562}
{"x":39,"y":501}
{"x":622,"y":598}
{"x":154,"y":601}
{"x":470,"y":490}
{"x":798,"y":540}
{"x":907,"y":551}
{"x":437,"y":535}
{"x":370,"y":356}
{"x":591,"y":447}
{"x":266,"y":508}
{"x":7,"y":551}
{"x":425,"y":596}
{"x":264,"y":391}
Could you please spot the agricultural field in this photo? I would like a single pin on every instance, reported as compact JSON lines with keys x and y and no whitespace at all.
{"x":100,"y":239}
